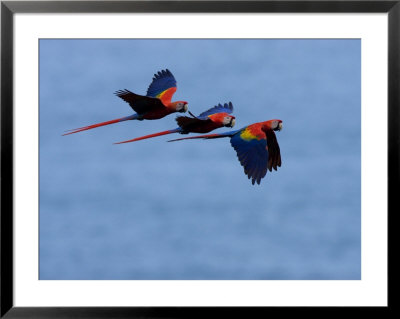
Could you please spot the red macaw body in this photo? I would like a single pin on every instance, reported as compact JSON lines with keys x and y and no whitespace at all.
{"x":155,"y":105}
{"x":256,"y":146}
{"x":214,"y":118}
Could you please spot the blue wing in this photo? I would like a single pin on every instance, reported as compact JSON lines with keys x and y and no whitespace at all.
{"x":227,"y":107}
{"x":252,"y":154}
{"x":162,"y":81}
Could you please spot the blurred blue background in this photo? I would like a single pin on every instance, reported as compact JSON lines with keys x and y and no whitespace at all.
{"x":186,"y":210}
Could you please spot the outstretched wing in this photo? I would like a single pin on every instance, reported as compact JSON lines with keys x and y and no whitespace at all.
{"x":186,"y":122}
{"x":250,"y":145}
{"x":227,"y":108}
{"x":163,"y":86}
{"x":274,"y":159}
{"x":139,"y":103}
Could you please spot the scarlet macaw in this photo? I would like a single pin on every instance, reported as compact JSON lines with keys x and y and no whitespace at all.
{"x":155,"y":105}
{"x":256,"y":146}
{"x":214,"y":118}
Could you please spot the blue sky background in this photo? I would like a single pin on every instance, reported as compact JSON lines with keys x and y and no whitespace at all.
{"x":186,"y":210}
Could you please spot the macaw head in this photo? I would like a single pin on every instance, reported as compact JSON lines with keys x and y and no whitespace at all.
{"x":228,"y":121}
{"x":181,"y":106}
{"x":275,"y":125}
{"x":222,"y":119}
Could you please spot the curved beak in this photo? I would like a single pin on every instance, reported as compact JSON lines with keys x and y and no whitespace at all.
{"x":185,"y":108}
{"x":280,"y":126}
{"x":232,"y":124}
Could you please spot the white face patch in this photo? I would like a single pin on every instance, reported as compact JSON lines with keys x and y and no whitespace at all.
{"x":276,"y":125}
{"x":228,"y":121}
{"x":182,"y":107}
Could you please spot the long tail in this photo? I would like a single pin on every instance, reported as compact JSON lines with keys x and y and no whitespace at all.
{"x":207,"y":136}
{"x":151,"y":135}
{"x":80,"y":129}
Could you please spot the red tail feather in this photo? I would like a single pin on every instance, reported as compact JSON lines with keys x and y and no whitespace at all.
{"x":200,"y":136}
{"x":80,"y":129}
{"x":149,"y":136}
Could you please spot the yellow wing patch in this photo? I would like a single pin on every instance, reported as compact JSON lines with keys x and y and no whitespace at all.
{"x":247,"y":135}
{"x":166,"y":96}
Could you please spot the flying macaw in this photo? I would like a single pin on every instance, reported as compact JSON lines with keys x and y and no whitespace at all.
{"x":155,"y":105}
{"x":256,"y":146}
{"x":214,"y":118}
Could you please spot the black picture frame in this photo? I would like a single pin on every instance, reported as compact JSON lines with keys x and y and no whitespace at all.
{"x":9,"y":8}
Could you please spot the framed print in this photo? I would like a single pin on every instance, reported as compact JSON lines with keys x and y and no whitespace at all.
{"x":188,"y":158}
